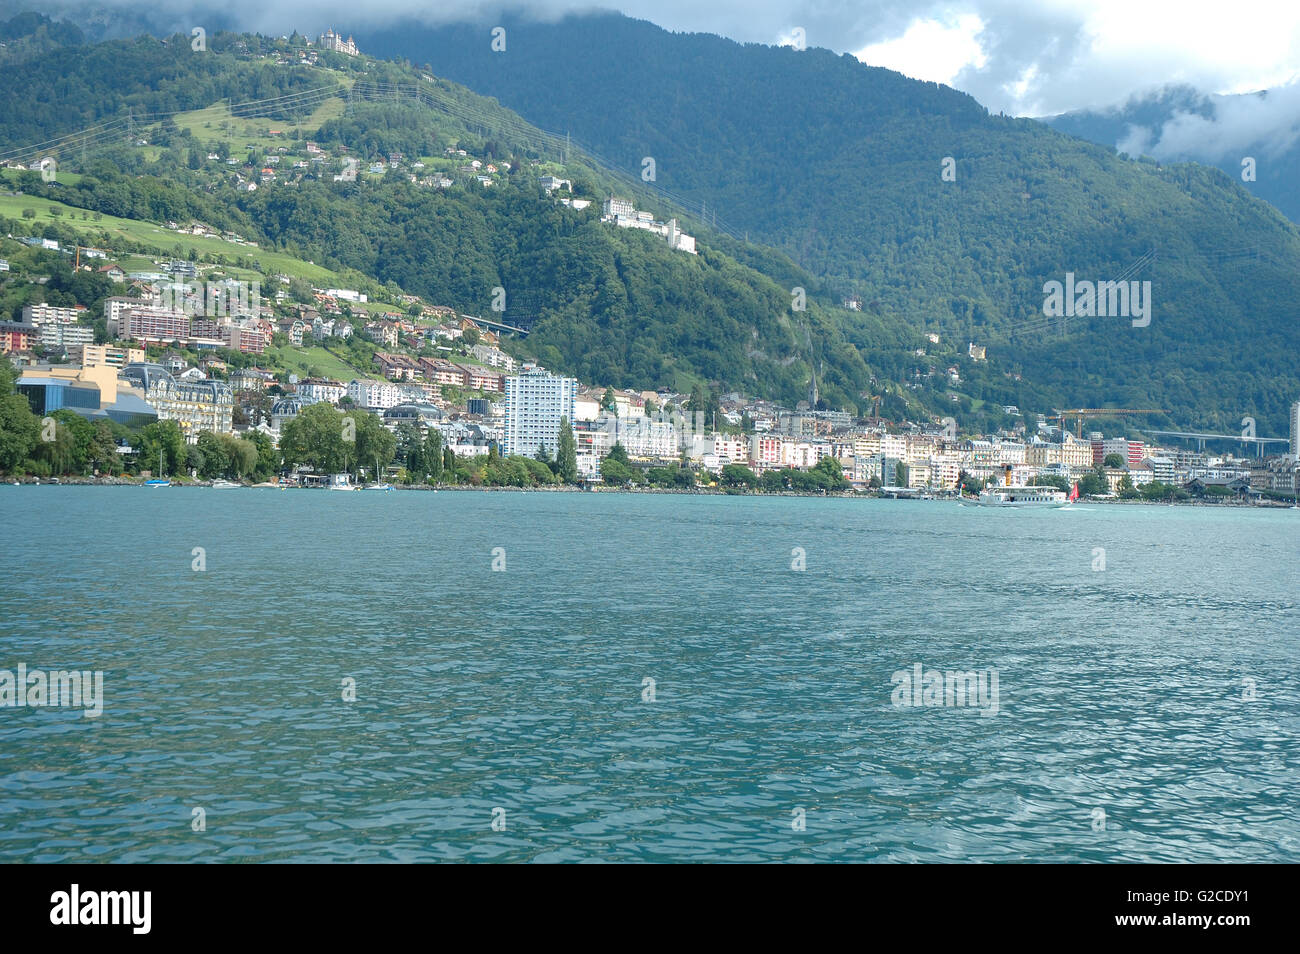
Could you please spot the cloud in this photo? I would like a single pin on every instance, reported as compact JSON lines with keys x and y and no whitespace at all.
{"x":935,"y":50}
{"x":1268,"y":123}
{"x":1024,"y":57}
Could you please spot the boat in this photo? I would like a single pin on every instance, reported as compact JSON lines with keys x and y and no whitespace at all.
{"x":340,"y":482}
{"x":380,"y":487}
{"x":1022,"y":495}
{"x":225,"y":485}
{"x":158,"y":482}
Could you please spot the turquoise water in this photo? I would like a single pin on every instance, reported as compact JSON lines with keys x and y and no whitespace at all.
{"x":1120,"y":690}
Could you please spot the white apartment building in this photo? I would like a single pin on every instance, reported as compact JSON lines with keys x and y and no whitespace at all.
{"x":1295,"y":431}
{"x":1162,"y":468}
{"x":374,"y":395}
{"x":116,"y":307}
{"x":493,"y":357}
{"x":535,"y":402}
{"x":44,"y":314}
{"x":944,"y":469}
{"x":318,"y":390}
{"x":58,"y":335}
{"x":643,"y":437}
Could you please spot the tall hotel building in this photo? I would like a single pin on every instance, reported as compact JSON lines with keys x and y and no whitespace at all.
{"x":1295,"y":431}
{"x":535,"y":402}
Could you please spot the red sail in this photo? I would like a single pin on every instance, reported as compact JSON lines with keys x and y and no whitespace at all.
{"x":1074,"y":492}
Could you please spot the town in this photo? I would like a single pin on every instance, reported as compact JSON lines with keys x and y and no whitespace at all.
{"x":184,"y":351}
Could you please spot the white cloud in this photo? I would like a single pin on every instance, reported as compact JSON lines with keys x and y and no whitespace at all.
{"x":934,"y":50}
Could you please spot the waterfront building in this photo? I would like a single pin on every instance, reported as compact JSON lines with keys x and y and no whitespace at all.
{"x":94,"y":392}
{"x":535,"y":402}
{"x":195,"y":406}
{"x":1295,"y":431}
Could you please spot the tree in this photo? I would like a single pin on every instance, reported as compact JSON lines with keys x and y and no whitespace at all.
{"x":1092,"y":484}
{"x":566,"y":456}
{"x":832,"y":472}
{"x":103,"y":454}
{"x":607,"y":400}
{"x":268,"y":459}
{"x":375,"y":444}
{"x":433,"y":454}
{"x":1114,"y":461}
{"x":213,"y":463}
{"x":162,"y":447}
{"x":317,"y":438}
{"x":615,"y":472}
{"x":618,"y":453}
{"x":738,"y":475}
{"x":410,"y":451}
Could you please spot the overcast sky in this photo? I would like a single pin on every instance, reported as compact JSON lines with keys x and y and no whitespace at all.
{"x":1025,"y":57}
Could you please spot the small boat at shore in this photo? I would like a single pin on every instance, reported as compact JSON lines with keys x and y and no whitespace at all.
{"x":225,"y":485}
{"x":384,"y":487}
{"x":158,"y":482}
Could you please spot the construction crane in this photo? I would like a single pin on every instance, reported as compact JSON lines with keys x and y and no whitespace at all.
{"x":1079,"y":413}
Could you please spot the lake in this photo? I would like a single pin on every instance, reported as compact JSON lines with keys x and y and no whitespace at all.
{"x":315,"y":676}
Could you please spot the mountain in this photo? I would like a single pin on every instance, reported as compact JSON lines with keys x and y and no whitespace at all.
{"x":1179,"y":123}
{"x":839,"y":165}
{"x":148,"y":141}
{"x":796,"y":169}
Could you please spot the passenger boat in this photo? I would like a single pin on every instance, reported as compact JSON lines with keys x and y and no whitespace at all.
{"x":1024,"y":495}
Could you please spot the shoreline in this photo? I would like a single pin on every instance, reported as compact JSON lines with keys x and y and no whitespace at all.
{"x":696,"y":492}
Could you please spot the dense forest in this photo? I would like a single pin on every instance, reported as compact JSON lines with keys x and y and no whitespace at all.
{"x":1275,"y":161}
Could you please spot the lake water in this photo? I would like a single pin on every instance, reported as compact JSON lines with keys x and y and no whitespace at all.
{"x":1146,"y":711}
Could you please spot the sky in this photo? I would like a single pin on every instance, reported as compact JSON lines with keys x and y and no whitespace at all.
{"x":1022,"y":57}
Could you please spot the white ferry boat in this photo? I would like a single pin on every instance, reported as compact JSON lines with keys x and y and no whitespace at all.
{"x":1023,"y":496}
